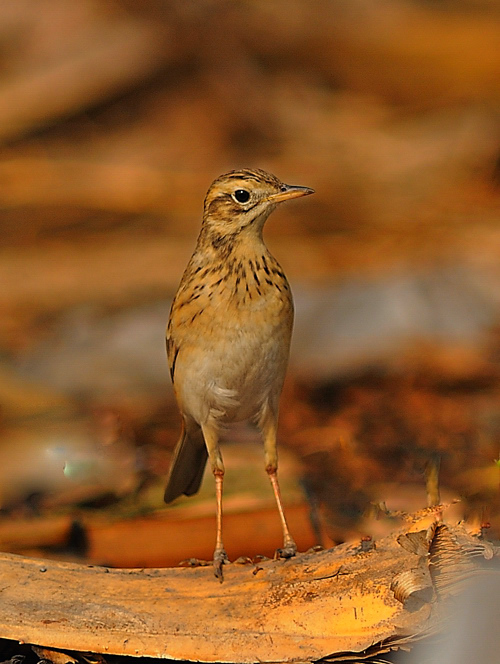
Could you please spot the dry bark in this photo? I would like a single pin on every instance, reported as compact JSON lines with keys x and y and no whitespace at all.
{"x":351,"y":599}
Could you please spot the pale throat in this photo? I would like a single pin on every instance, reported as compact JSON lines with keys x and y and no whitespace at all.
{"x":245,"y":241}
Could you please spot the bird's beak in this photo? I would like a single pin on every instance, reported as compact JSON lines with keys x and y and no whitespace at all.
{"x":289,"y":191}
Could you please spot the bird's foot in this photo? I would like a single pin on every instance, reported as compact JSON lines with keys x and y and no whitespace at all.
{"x":220,"y":558}
{"x":288,"y":551}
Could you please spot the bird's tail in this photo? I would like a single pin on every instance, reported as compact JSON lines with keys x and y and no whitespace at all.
{"x":188,"y":463}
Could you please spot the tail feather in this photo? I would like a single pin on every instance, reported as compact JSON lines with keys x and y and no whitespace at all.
{"x":188,"y":464}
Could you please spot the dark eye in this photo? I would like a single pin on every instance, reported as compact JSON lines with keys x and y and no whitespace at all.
{"x":241,"y":195}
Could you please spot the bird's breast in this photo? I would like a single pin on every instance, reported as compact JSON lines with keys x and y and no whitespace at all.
{"x":233,"y":336}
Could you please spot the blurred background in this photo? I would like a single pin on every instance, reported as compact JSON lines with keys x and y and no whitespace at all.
{"x":115,"y":116}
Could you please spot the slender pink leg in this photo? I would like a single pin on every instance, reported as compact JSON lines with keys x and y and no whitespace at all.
{"x":289,"y":547}
{"x":211,"y":436}
{"x":220,"y":556}
{"x":267,"y":425}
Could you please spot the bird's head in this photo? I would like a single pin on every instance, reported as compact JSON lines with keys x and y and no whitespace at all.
{"x":244,"y":199}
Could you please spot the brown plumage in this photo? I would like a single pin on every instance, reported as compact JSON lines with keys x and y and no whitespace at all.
{"x":228,"y":335}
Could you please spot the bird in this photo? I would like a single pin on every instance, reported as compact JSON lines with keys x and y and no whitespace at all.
{"x":228,"y":337}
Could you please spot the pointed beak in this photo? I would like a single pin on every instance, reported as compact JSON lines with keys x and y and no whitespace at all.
{"x":289,"y":191}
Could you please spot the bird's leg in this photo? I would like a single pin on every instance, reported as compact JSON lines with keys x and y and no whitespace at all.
{"x":212,"y":442}
{"x":267,"y":424}
{"x":220,"y":556}
{"x":289,"y":547}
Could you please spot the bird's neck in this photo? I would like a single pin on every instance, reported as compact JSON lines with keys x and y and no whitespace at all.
{"x":243,"y":242}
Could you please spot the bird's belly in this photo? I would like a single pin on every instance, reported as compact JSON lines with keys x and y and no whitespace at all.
{"x":234,"y":375}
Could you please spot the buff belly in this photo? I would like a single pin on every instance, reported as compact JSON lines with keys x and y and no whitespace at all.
{"x":230,"y":381}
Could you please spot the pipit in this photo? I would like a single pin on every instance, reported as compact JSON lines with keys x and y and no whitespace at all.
{"x":228,"y":337}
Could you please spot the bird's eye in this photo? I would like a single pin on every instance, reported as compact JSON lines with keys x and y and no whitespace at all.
{"x":241,"y":195}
